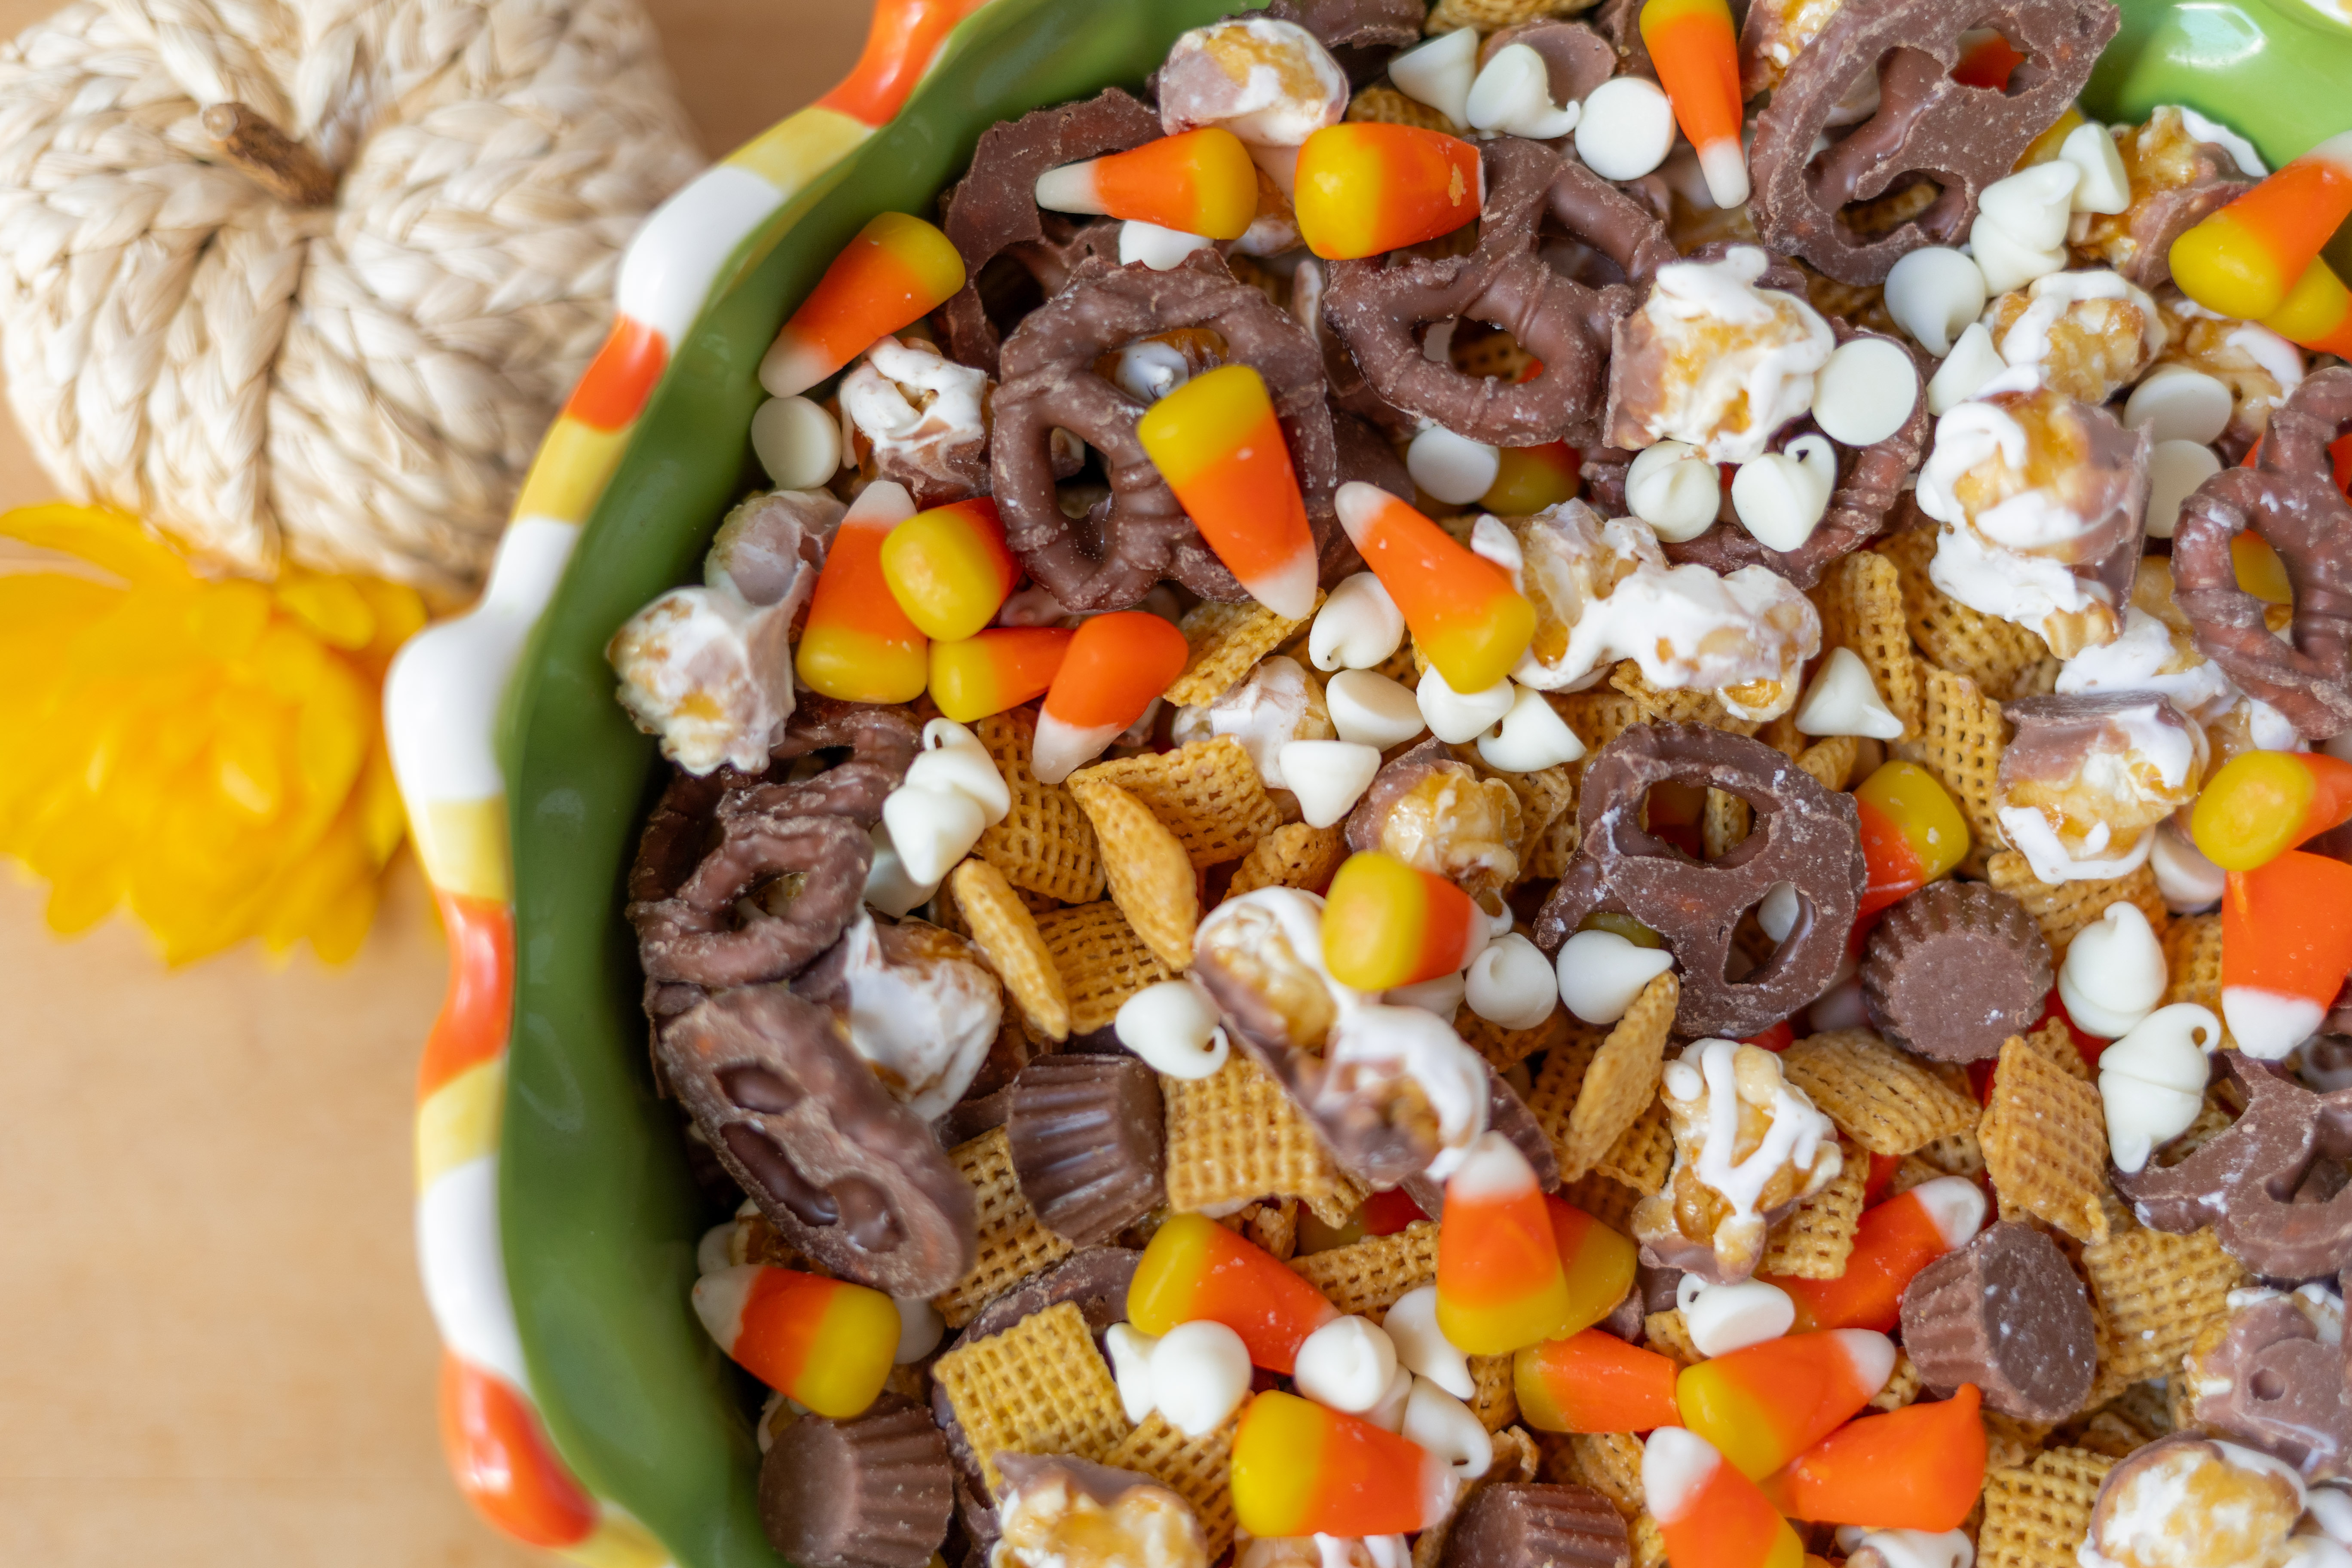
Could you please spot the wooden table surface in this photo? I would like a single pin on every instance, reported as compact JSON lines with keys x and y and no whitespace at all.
{"x":214,"y":1352}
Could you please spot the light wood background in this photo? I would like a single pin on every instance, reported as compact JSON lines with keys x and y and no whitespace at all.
{"x":214,"y":1352}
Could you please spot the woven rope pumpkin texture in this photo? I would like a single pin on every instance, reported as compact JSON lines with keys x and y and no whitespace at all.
{"x":305,"y":280}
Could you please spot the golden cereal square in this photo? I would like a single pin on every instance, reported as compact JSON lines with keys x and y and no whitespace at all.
{"x":1292,"y":856}
{"x":1007,"y":935}
{"x":2066,"y":909}
{"x":1884,"y":1100}
{"x":1492,"y":1399}
{"x":1608,"y":1462}
{"x":1101,"y":960}
{"x":1817,"y":1238}
{"x":1223,"y":642}
{"x":1961,"y":737}
{"x":1645,"y":1155}
{"x":1198,"y":1470}
{"x":1207,"y":793}
{"x":1860,"y":601}
{"x":1044,"y":844}
{"x":1235,"y":1135}
{"x":2044,"y":1137}
{"x":2003,"y":659}
{"x":1368,"y":1276}
{"x":1605,"y":1198}
{"x":1667,"y":1334}
{"x":1151,"y":877}
{"x":1381,"y":104}
{"x":2155,"y":1293}
{"x":1621,"y":1083}
{"x":1039,"y":1387}
{"x":2037,"y":1514}
{"x":1013,"y":1245}
{"x":1505,"y":1048}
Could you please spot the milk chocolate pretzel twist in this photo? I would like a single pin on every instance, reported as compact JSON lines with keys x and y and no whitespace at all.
{"x":1377,"y":305}
{"x":881,"y":743}
{"x":994,"y":210}
{"x":2289,"y":498}
{"x":1140,"y":534}
{"x":1805,"y":835}
{"x":1963,"y":138}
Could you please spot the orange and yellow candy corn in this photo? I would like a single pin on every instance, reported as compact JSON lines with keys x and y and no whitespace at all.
{"x":2259,"y":805}
{"x":1920,"y":1468}
{"x":1529,"y":479}
{"x":1594,"y":1382}
{"x":1111,"y":671}
{"x":1598,"y":1263}
{"x":1202,"y":183}
{"x":1763,"y":1405}
{"x":949,"y":568}
{"x":1698,"y":55}
{"x":1195,"y":1269}
{"x":1499,"y":1284}
{"x":1302,"y":1469}
{"x":2245,"y":259}
{"x":2286,"y":947}
{"x":825,"y":1343}
{"x":1000,"y":668}
{"x":1386,"y":925}
{"x":2316,"y":312}
{"x":1912,"y":832}
{"x":1462,"y":611}
{"x":857,"y":645}
{"x":1217,"y":443}
{"x":897,"y":271}
{"x":1710,"y":1514}
{"x":1895,"y":1240}
{"x":1364,"y":188}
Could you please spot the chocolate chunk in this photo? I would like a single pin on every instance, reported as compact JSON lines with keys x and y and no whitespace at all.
{"x":1955,"y":970}
{"x":1576,"y":58}
{"x":1805,"y":835}
{"x":2007,"y":1313}
{"x":1361,"y":34}
{"x":1533,"y":1524}
{"x":843,"y":1171}
{"x":2288,"y":496}
{"x":2271,"y":1183}
{"x":1507,"y":1114}
{"x":2269,"y":1382}
{"x":875,"y":1492}
{"x":1089,"y":1139}
{"x":1927,"y":127}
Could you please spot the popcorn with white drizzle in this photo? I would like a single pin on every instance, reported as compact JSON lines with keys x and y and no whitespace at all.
{"x":914,"y":1000}
{"x":2086,"y":779}
{"x":1407,"y":1069}
{"x":1323,"y":1551}
{"x":1775,"y":33}
{"x":1748,"y":1144}
{"x":918,"y":418}
{"x":2042,"y":499}
{"x":1261,"y":956}
{"x":1602,"y":592}
{"x":1435,"y":814}
{"x":2186,"y":1501}
{"x":2087,"y":334}
{"x":1272,"y":83}
{"x":2157,"y":651}
{"x":1712,"y":359}
{"x":2260,"y":368}
{"x":2171,"y":167}
{"x":1063,"y":1511}
{"x":1277,"y":702}
{"x":1906,"y":1548}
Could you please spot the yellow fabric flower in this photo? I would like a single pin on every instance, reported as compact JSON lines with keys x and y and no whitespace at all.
{"x":210,"y":753}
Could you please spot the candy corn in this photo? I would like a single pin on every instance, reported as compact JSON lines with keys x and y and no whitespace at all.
{"x":825,"y":1343}
{"x":2286,"y":947}
{"x":1301,"y":1469}
{"x":992,"y":670}
{"x":1920,"y":1468}
{"x":897,"y":271}
{"x":949,"y":568}
{"x":1499,"y":1284}
{"x":1111,"y":671}
{"x":859,"y":645}
{"x":1763,"y":1405}
{"x":1710,"y":1514}
{"x":1365,"y":188}
{"x":1912,"y":833}
{"x":1594,"y":1382}
{"x":1461,"y":609}
{"x":1196,"y":1269}
{"x":1598,"y":1263}
{"x":1216,"y":442}
{"x":1386,"y":925}
{"x":1895,"y":1240}
{"x":1202,"y":183}
{"x":1529,"y":479}
{"x":2246,"y":258}
{"x":2259,"y":805}
{"x":1697,"y":57}
{"x":2316,"y":312}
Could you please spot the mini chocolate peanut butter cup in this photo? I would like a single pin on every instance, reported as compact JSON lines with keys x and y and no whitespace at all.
{"x":875,"y":1492}
{"x":1536,"y":1525}
{"x":1954,"y":970}
{"x":1089,"y":1139}
{"x":2007,"y":1313}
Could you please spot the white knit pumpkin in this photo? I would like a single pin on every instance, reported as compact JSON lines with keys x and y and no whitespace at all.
{"x":355,"y":386}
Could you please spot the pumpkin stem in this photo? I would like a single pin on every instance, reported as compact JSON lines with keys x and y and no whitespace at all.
{"x":284,"y":167}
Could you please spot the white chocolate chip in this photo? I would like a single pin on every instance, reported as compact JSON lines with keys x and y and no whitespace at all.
{"x":1372,"y":710}
{"x":1625,"y":129}
{"x":1446,"y":1429}
{"x":715,"y":1250}
{"x":1845,"y":700}
{"x":2019,"y":233}
{"x":1388,"y":1414}
{"x":1674,"y":489}
{"x":1455,"y":469}
{"x":1934,"y":293}
{"x":1130,"y":1363}
{"x":1511,"y":983}
{"x":1601,"y":973}
{"x":953,"y":758}
{"x":1149,"y":370}
{"x":797,"y":443}
{"x":2115,"y":972}
{"x":1421,"y":1347}
{"x":2105,"y":187}
{"x":1157,"y":247}
{"x":2177,"y":404}
{"x":1453,"y":716}
{"x":1727,"y":1318}
{"x":1172,"y":1025}
{"x":1970,"y":366}
{"x":887,"y":887}
{"x":1513,"y":97}
{"x":1777,"y":912}
{"x":2152,"y":1081}
{"x":932,"y":830}
{"x":1532,"y":735}
{"x":920,"y":1328}
{"x":1780,"y":496}
{"x":1327,"y":776}
{"x":2175,"y":469}
{"x":1865,"y":391}
{"x":1200,"y":1375}
{"x":1440,"y":72}
{"x":2187,"y":881}
{"x":1359,"y":627}
{"x":1345,"y":1365}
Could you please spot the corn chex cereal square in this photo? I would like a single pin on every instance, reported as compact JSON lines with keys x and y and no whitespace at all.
{"x":1008,"y":936}
{"x":1677,"y":705}
{"x":1643,"y":1155}
{"x":1613,"y":1088}
{"x":2154,"y":1293}
{"x":1039,"y":1387}
{"x":1044,"y":844}
{"x":2036,"y":1514}
{"x":1235,"y":1135}
{"x":1013,"y":1245}
{"x":2004,"y":659}
{"x":1817,"y":1238}
{"x":1198,"y":1470}
{"x":1101,"y":960}
{"x":2044,"y":1137}
{"x":1207,"y":793}
{"x":2066,"y":909}
{"x":1881,"y":1099}
{"x":1223,"y":641}
{"x":1292,"y":856}
{"x":1505,"y":1048}
{"x":1150,"y":878}
{"x":1368,"y":1276}
{"x":1608,"y":1462}
{"x":1860,"y":600}
{"x":1605,"y":1198}
{"x":1961,"y":737}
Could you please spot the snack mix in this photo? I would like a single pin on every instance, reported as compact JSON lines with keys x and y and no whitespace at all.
{"x":1465,"y":807}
